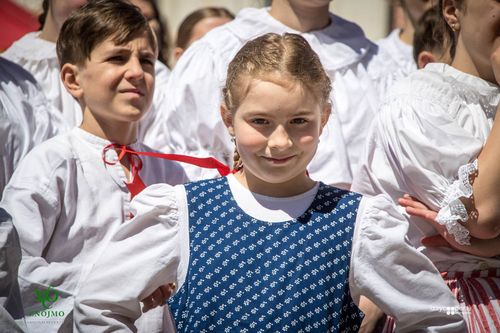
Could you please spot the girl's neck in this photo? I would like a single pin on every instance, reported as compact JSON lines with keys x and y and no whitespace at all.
{"x":123,"y":133}
{"x":293,"y":187}
{"x":464,"y":63}
{"x":300,"y":18}
{"x":50,"y":30}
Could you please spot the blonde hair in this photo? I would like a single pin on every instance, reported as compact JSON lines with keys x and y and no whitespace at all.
{"x":286,"y":58}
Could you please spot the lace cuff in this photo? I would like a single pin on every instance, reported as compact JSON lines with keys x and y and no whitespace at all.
{"x":452,"y":210}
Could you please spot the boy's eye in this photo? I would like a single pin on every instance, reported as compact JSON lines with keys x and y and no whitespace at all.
{"x":299,"y":121}
{"x":259,"y":121}
{"x":148,"y":61}
{"x":116,"y":58}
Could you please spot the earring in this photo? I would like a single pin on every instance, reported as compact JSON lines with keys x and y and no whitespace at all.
{"x":453,"y":26}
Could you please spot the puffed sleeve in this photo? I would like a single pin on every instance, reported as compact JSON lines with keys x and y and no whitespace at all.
{"x":394,"y":275}
{"x":414,"y":145}
{"x":143,"y":255}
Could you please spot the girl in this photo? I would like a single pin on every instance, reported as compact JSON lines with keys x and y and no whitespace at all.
{"x":432,"y":123}
{"x":36,"y":52}
{"x":263,"y":249}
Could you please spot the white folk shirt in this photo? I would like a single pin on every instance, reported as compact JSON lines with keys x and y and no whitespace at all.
{"x":193,"y":123}
{"x":26,"y":118}
{"x":400,"y":52}
{"x":39,"y":57}
{"x":65,"y":204}
{"x":154,"y":248}
{"x":433,"y":122}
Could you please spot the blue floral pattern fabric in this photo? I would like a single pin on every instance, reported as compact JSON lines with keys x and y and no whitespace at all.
{"x":248,"y":275}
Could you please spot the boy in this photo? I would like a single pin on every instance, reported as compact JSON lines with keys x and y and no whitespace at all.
{"x":68,"y":205}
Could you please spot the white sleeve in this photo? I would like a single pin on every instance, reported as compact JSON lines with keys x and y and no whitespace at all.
{"x":34,"y":198}
{"x":414,"y":146}
{"x":192,"y":120}
{"x":143,"y":255}
{"x":394,"y":275}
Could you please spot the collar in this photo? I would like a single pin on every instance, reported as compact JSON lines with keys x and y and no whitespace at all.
{"x":338,"y":45}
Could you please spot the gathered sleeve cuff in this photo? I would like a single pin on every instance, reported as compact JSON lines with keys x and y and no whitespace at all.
{"x":453,"y":212}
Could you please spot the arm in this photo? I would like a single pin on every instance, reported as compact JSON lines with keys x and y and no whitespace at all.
{"x":143,"y":255}
{"x":394,"y":275}
{"x":32,"y":198}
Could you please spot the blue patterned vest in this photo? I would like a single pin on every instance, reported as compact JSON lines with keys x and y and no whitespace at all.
{"x":247,"y":275}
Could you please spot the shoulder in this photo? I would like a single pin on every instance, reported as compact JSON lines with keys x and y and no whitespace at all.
{"x":338,"y":196}
{"x":30,"y":48}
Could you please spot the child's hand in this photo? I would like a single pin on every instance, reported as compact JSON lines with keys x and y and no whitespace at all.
{"x":478,"y":247}
{"x":158,"y":297}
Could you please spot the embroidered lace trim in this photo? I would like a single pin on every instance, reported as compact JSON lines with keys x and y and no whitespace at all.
{"x":452,"y":210}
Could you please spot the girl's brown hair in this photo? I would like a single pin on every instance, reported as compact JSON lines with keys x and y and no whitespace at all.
{"x":186,"y":28}
{"x":287,"y":58}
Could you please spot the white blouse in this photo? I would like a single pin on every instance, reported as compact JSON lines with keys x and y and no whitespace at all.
{"x":154,"y":249}
{"x":432,"y":123}
{"x":66,"y":204}
{"x":192,"y":122}
{"x":400,"y":52}
{"x":26,"y":118}
{"x":39,"y":57}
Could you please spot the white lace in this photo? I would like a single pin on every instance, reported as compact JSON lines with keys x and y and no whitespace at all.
{"x":452,"y":210}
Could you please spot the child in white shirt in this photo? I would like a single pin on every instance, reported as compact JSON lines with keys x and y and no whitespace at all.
{"x":71,"y":193}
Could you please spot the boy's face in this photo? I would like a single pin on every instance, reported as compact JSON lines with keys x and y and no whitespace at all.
{"x":117,"y":82}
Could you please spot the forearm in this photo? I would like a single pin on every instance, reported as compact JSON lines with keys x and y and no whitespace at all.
{"x":486,"y":188}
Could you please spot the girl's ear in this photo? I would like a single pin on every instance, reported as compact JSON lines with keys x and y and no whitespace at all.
{"x":227,"y":117}
{"x":325,"y":115}
{"x":451,"y":13}
{"x":424,"y":58}
{"x":71,"y":80}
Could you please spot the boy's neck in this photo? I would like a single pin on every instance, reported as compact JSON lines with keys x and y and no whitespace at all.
{"x":300,"y":18}
{"x":123,"y":133}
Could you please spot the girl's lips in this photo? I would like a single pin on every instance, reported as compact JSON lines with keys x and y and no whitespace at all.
{"x":279,"y":160}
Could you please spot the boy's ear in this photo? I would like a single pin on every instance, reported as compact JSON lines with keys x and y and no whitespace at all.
{"x":424,"y":58}
{"x":325,"y":115}
{"x":227,"y":117}
{"x":71,"y":80}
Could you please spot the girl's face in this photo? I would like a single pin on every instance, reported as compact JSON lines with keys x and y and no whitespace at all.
{"x":277,"y":130}
{"x":479,"y":32}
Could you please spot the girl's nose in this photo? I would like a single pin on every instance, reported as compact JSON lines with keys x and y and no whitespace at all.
{"x":279,"y":139}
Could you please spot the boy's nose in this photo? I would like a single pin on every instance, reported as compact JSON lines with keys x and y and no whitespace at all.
{"x":134,"y":69}
{"x":279,"y":139}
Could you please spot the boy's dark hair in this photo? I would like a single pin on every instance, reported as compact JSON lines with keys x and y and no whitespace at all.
{"x":429,"y":33}
{"x":95,"y":22}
